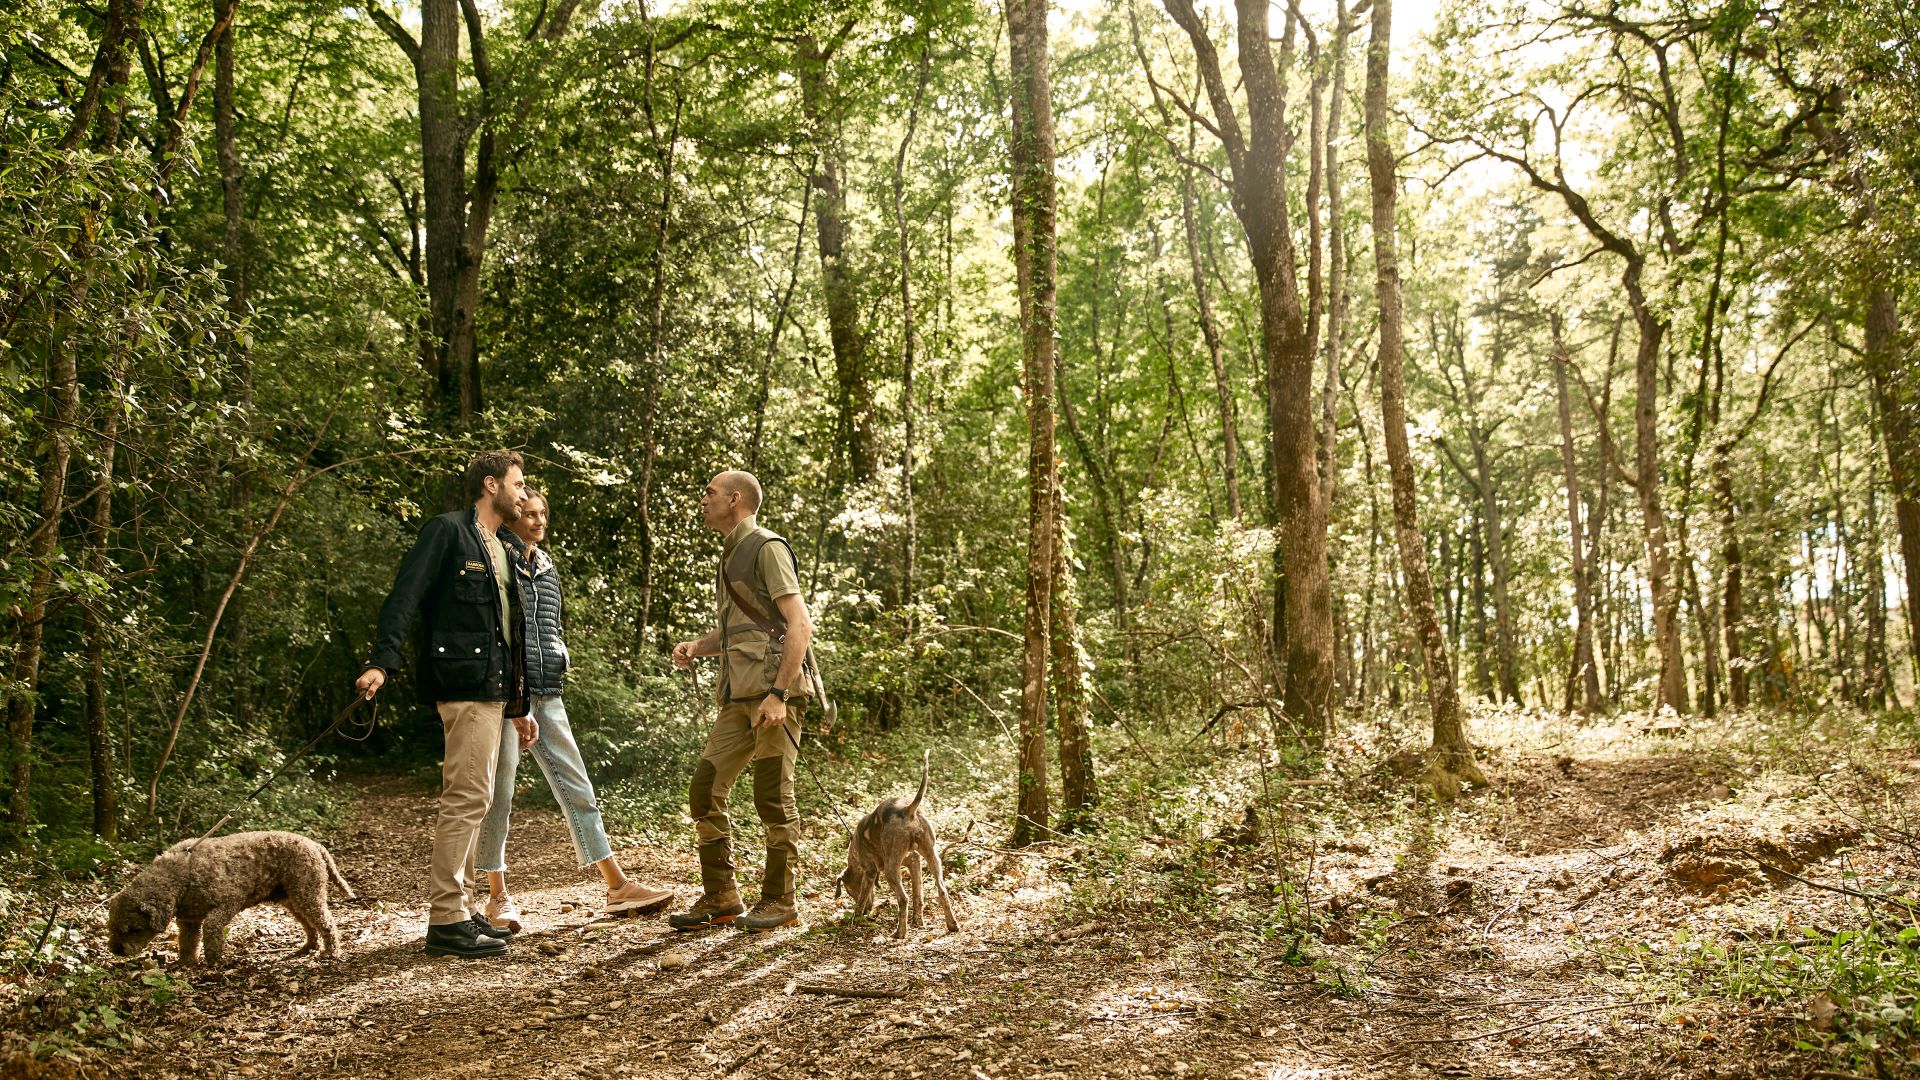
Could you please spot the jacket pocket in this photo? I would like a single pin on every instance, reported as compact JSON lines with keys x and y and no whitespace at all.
{"x":473,"y":587}
{"x":751,"y":665}
{"x":460,"y":658}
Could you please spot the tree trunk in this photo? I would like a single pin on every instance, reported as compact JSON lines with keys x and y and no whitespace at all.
{"x":1898,"y":403}
{"x":857,"y":423}
{"x":1477,"y":630}
{"x":1598,"y":569}
{"x":1103,"y":501}
{"x":1584,"y":674}
{"x":1506,"y":654}
{"x":1653,"y":517}
{"x":1295,"y":505}
{"x":63,"y":392}
{"x":457,"y":216}
{"x":106,"y":802}
{"x":909,"y":541}
{"x":1872,"y":568}
{"x":1210,"y":332}
{"x":233,"y":252}
{"x":1703,"y":618}
{"x":111,"y":69}
{"x":1077,"y":790}
{"x":1450,"y":759}
{"x":443,"y":173}
{"x":1732,"y":596}
{"x":656,"y":333}
{"x":1652,"y":332}
{"x":112,"y":64}
{"x":1032,"y":158}
{"x":1336,"y":263}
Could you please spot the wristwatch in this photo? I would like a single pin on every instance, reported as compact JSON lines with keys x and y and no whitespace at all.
{"x":778,"y":693}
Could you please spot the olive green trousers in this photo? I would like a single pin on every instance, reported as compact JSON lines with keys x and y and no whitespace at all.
{"x":772,"y":751}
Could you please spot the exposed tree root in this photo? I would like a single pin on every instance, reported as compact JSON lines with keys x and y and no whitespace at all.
{"x":1450,"y":769}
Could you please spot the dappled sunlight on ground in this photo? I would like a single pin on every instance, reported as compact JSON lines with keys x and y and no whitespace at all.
{"x":1555,"y":923}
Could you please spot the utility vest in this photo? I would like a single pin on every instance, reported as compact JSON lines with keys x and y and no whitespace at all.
{"x":753,"y":636}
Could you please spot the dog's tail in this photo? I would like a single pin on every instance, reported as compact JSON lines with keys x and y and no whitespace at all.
{"x":922,"y":793}
{"x":333,"y":875}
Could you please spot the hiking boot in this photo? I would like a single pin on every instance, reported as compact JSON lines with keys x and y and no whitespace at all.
{"x":503,"y":914}
{"x":464,"y":940}
{"x":710,"y":910}
{"x":635,"y":897}
{"x":771,"y":913}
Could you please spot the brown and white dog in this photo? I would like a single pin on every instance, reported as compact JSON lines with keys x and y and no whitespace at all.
{"x":895,"y":833}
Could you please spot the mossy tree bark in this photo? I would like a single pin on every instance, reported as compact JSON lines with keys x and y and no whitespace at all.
{"x":1034,"y":207}
{"x":1450,"y":762}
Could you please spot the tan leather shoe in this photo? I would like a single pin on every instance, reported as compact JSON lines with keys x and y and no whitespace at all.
{"x":633,"y":896}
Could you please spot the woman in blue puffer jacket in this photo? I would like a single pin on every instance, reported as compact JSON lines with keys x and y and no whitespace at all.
{"x":555,"y":749}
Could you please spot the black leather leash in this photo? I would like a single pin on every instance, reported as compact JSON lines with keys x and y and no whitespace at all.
{"x":364,"y":732}
{"x":811,"y":775}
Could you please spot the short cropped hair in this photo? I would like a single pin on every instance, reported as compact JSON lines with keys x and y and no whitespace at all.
{"x":746,"y":484}
{"x":494,"y":463}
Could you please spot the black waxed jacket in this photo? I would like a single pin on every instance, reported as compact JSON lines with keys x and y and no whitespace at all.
{"x":545,"y":622}
{"x":461,"y":653}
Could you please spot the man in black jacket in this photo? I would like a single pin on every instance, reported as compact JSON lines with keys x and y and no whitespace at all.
{"x":459,"y":577}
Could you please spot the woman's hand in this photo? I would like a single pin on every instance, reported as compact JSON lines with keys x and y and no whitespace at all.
{"x":529,"y":729}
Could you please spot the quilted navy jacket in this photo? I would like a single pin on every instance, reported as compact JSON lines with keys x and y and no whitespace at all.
{"x":545,"y":621}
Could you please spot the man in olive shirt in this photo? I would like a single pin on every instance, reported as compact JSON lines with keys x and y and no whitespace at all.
{"x":761,"y":634}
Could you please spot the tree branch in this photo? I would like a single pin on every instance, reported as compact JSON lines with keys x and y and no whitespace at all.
{"x":398,"y":33}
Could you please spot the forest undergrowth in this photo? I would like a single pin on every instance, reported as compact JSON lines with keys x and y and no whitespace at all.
{"x":1727,"y":897}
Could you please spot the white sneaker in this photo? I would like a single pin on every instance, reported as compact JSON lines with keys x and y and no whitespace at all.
{"x":502,"y":914}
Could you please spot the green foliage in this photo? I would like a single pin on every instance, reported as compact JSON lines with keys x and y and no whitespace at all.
{"x":1853,"y":991}
{"x":59,"y":990}
{"x":678,"y":150}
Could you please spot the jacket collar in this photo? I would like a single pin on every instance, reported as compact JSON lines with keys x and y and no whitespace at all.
{"x":542,"y":562}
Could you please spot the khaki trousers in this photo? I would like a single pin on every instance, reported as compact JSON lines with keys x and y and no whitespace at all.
{"x":772,"y":751}
{"x":473,"y":733}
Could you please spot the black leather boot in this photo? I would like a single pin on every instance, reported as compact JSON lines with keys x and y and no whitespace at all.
{"x":461,"y":939}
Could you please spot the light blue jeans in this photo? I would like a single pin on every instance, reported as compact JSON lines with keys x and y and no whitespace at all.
{"x":559,"y":758}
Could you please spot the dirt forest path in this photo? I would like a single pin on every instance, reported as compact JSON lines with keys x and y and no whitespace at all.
{"x":1474,"y":977}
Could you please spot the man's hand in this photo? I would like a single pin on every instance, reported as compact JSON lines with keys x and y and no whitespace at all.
{"x":370,"y":682}
{"x":529,"y":730}
{"x":683,"y":654}
{"x":772,"y":711}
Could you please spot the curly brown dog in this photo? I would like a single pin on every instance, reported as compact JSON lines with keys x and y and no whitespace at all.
{"x":205,"y":883}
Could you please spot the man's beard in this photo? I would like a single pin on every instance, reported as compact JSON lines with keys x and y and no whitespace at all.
{"x":506,"y":506}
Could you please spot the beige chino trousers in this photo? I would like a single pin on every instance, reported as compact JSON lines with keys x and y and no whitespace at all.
{"x":473,"y":732}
